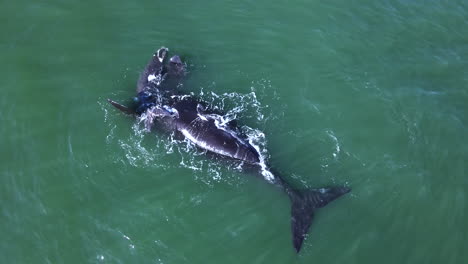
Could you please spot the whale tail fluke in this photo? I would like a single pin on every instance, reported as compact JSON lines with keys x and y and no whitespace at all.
{"x":303,"y":207}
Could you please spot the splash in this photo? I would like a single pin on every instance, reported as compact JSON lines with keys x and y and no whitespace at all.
{"x":257,"y":139}
{"x":236,"y":106}
{"x":337,"y":144}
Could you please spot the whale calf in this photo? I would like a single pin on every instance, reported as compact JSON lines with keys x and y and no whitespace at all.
{"x":163,"y":106}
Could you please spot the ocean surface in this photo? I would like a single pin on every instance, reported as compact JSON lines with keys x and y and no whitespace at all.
{"x":372,"y":95}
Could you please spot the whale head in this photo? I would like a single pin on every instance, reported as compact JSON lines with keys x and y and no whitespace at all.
{"x":160,"y":54}
{"x":176,"y":66}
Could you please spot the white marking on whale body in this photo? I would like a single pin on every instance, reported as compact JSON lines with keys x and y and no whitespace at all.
{"x":203,"y":144}
{"x":151,"y":77}
{"x":156,"y":79}
{"x":202,"y":117}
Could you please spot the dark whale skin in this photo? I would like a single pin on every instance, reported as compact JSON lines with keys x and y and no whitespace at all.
{"x":202,"y":129}
{"x":187,"y":116}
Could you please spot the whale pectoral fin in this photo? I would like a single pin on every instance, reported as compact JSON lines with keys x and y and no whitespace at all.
{"x":122,"y":108}
{"x":303,"y":208}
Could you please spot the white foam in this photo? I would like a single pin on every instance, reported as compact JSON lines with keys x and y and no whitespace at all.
{"x":245,"y":105}
{"x":238,"y":106}
{"x":260,"y":136}
{"x":337,"y":145}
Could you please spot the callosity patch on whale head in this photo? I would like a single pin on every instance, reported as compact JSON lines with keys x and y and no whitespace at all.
{"x":161,"y":53}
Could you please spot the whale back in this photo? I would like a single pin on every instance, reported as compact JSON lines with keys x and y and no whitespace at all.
{"x":204,"y":130}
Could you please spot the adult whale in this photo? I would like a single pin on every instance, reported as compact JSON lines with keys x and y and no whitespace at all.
{"x":160,"y":105}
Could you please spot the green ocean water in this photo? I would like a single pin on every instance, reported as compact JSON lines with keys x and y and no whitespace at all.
{"x":368,"y":94}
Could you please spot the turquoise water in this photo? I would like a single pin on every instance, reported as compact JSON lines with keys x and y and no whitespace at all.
{"x":368,"y":94}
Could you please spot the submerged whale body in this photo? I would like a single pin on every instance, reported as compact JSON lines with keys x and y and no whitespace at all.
{"x":159,"y":102}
